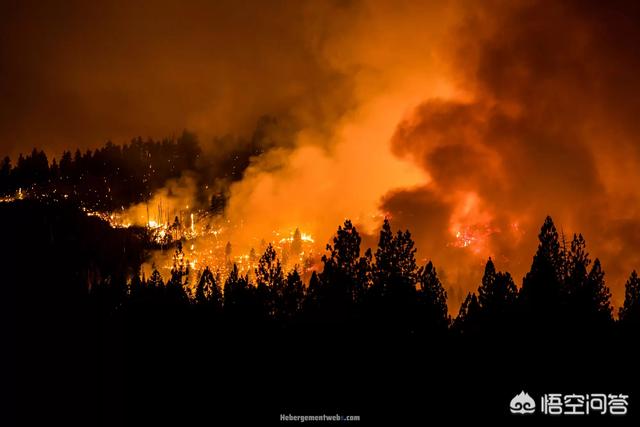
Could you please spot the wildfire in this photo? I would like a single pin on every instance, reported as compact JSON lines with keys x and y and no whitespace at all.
{"x":208,"y":240}
{"x":464,"y":239}
{"x":470,"y":224}
{"x":19,"y":195}
{"x":113,"y":219}
{"x":303,"y":237}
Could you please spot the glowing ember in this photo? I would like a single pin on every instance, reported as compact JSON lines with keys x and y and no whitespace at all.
{"x":464,"y":239}
{"x":476,"y":238}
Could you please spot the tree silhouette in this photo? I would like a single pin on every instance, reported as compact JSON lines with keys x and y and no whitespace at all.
{"x":239,"y":298}
{"x":468,"y":318}
{"x":354,"y":302}
{"x":433,"y":314}
{"x":366,"y":300}
{"x":597,"y":297}
{"x":497,"y":295}
{"x":66,"y":166}
{"x":311,"y":300}
{"x":109,"y":177}
{"x":629,"y":313}
{"x":270,"y":283}
{"x":577,"y":262}
{"x":540,"y":296}
{"x":395,"y":263}
{"x":364,"y":277}
{"x":155,"y":280}
{"x":179,"y":281}
{"x":339,"y":289}
{"x":292,"y":297}
{"x":587,"y":296}
{"x":392,"y":296}
{"x":577,"y":269}
{"x":208,"y":290}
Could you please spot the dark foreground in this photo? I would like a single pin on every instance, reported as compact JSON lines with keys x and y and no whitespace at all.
{"x":121,"y":378}
{"x":75,"y":358}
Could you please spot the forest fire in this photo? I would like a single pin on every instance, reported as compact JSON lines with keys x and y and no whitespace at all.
{"x":207,"y":241}
{"x":464,"y":239}
{"x":269,"y":191}
{"x":203,"y":248}
{"x":476,"y":239}
{"x":366,"y":194}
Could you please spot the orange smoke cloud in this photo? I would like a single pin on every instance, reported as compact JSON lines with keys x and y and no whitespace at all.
{"x":465,"y":123}
{"x":547,"y":127}
{"x":343,"y":170}
{"x":512,"y":111}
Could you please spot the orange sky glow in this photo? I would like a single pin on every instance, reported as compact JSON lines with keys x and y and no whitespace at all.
{"x":466,"y":124}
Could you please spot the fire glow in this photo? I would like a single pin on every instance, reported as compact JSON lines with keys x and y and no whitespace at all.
{"x":208,"y":241}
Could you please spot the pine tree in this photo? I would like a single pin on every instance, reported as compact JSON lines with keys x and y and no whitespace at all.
{"x":597,"y":298}
{"x":432,"y":301}
{"x":496,"y":296}
{"x":587,"y":296}
{"x":310,"y":304}
{"x":66,"y":166}
{"x":395,"y":260}
{"x":577,"y":269}
{"x":364,"y":276}
{"x":629,"y":313}
{"x":179,"y":281}
{"x":339,"y":286}
{"x":155,"y":280}
{"x":208,"y":290}
{"x":540,"y":296}
{"x":239,"y":296}
{"x":468,"y":317}
{"x":270,"y":282}
{"x":385,"y":258}
{"x":392,"y":297}
{"x":486,"y":290}
{"x":54,"y":171}
{"x":345,"y":252}
{"x":292,"y":296}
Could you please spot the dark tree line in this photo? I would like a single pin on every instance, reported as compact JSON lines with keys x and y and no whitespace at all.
{"x":388,"y":292}
{"x":563,"y":293}
{"x":351,"y":339}
{"x":116,"y":176}
{"x":106,"y":178}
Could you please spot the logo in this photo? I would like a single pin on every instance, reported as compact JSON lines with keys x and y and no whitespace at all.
{"x":572,"y":404}
{"x":522,"y":404}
